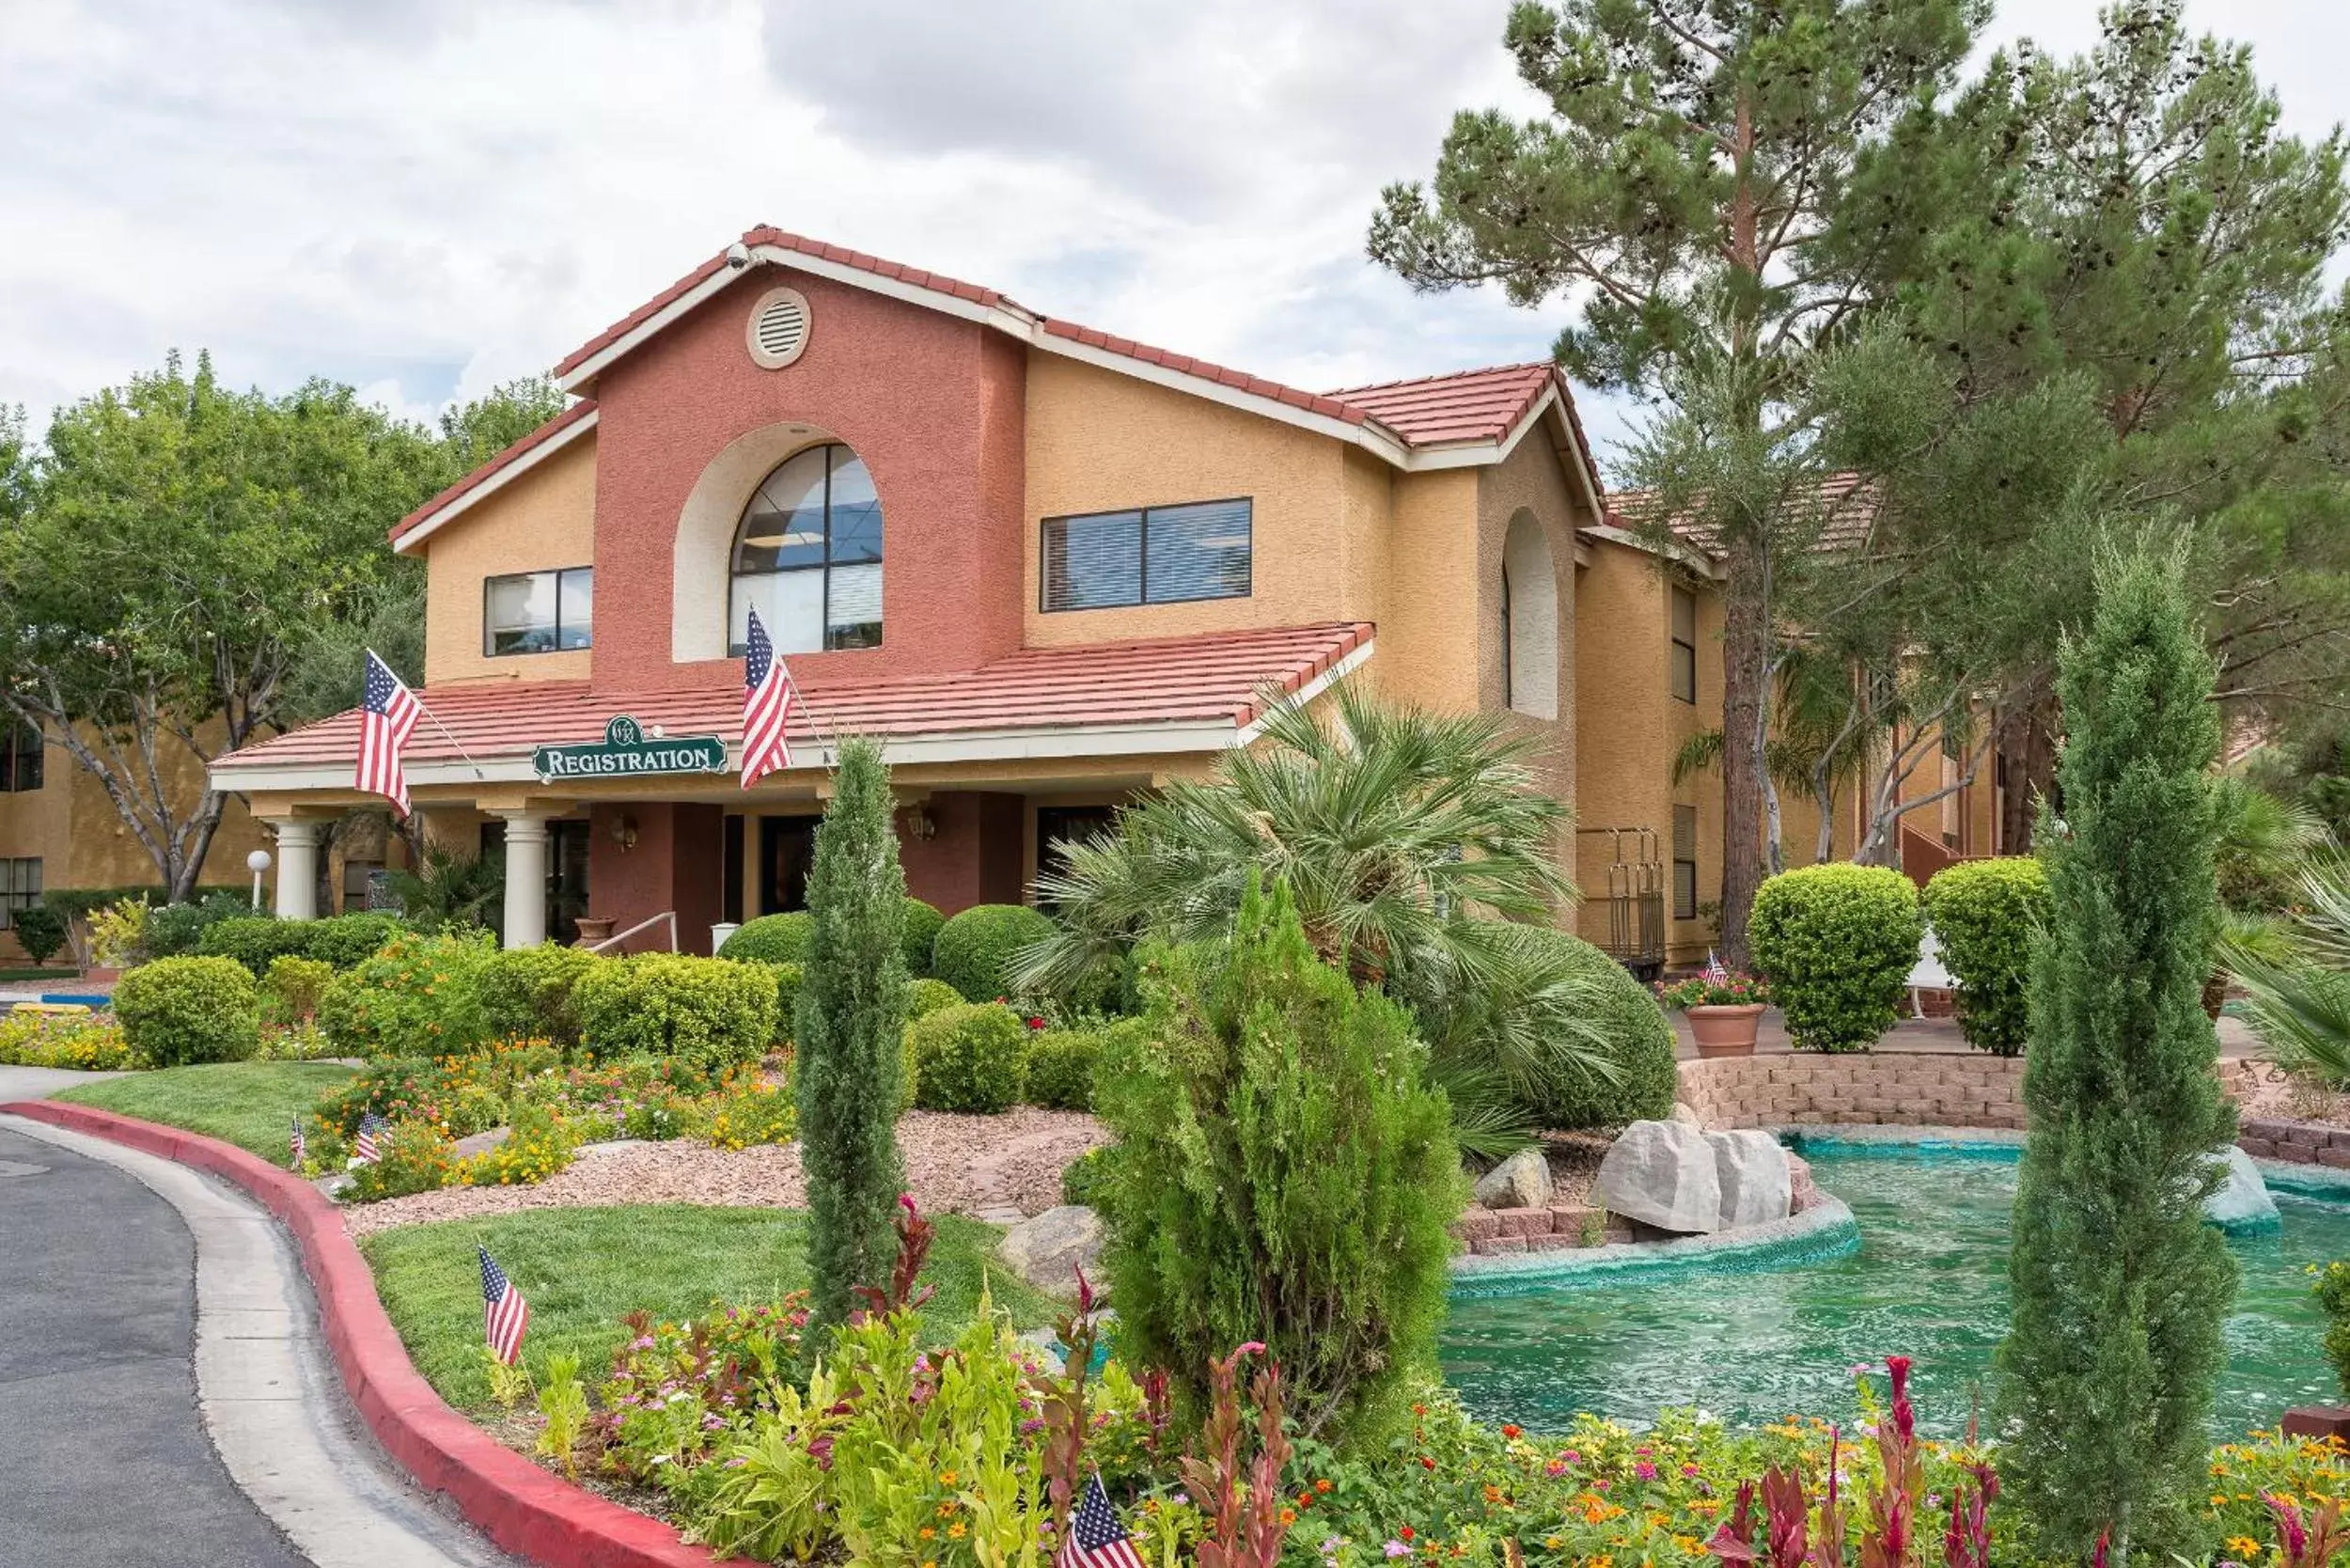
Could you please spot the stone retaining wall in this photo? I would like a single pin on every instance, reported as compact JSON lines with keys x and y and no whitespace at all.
{"x":2301,"y":1142}
{"x":1895,"y":1089}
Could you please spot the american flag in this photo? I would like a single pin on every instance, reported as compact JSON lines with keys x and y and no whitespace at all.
{"x":504,"y":1312}
{"x":371,"y":1126}
{"x":1715,"y":973}
{"x":387,"y":713}
{"x":300,"y":1145}
{"x":1095,"y":1539}
{"x":766,"y":707}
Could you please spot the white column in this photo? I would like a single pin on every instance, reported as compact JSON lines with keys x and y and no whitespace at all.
{"x":526,"y":878}
{"x":297,"y":869}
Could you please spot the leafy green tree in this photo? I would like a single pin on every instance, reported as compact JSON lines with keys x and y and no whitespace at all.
{"x":850,"y":1023}
{"x":2120,"y":1286}
{"x":1394,"y":830}
{"x":1281,"y":1174}
{"x":1700,"y":179}
{"x":170,"y":550}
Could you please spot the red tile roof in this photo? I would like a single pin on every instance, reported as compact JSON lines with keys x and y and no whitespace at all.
{"x":506,"y":459}
{"x":1848,"y":504}
{"x":1464,"y":406}
{"x":1205,"y":679}
{"x":767,"y":234}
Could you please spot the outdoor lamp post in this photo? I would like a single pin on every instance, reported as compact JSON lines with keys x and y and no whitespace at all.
{"x":256,"y":863}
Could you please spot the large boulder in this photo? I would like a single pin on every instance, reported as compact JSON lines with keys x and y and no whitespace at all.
{"x":1048,"y":1251}
{"x":1757,"y":1182}
{"x":1520,"y":1182}
{"x":2242,"y":1201}
{"x":1662,"y":1174}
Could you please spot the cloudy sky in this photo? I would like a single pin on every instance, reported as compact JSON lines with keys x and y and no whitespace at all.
{"x":424,"y":198}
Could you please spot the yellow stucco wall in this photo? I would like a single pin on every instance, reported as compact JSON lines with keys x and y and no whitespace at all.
{"x":543,"y":521}
{"x":1098,"y":440}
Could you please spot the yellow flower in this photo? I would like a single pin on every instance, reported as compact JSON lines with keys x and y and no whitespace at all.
{"x":2243,"y":1545}
{"x":947,"y":1477}
{"x":954,"y":1531}
{"x":926,"y":1532}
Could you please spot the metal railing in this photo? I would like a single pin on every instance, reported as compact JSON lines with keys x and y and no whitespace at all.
{"x":617,"y":937}
{"x":1635,"y":899}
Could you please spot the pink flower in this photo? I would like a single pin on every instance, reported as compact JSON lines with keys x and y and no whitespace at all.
{"x":1395,"y":1548}
{"x":1688,"y":1469}
{"x":1645,"y":1471}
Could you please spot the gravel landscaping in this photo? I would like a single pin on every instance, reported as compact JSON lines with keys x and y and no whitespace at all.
{"x":964,"y":1165}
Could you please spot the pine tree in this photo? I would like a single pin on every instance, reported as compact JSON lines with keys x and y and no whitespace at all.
{"x":849,"y":1022}
{"x":2120,"y":1286}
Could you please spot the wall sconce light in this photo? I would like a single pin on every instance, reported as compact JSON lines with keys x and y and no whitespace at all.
{"x":624,"y":833}
{"x":920,"y":824}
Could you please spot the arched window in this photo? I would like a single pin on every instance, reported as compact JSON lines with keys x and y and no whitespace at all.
{"x":1529,"y":620}
{"x":807,"y":555}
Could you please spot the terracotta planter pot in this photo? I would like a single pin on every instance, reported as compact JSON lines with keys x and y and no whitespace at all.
{"x":1726,"y":1031}
{"x":592,"y":930}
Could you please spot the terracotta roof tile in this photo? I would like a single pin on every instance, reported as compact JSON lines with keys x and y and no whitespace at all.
{"x":1203,"y":679}
{"x":539,"y":437}
{"x":1464,"y":406}
{"x":1848,"y":502}
{"x":1093,"y":337}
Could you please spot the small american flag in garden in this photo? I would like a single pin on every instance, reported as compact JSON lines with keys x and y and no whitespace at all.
{"x":1715,"y":972}
{"x":301,"y":1146}
{"x":388,"y":711}
{"x":766,"y":707}
{"x":1095,"y":1539}
{"x":367,"y":1150}
{"x":504,"y":1312}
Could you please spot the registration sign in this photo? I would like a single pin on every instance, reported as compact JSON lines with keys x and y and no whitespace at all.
{"x":627,"y":752}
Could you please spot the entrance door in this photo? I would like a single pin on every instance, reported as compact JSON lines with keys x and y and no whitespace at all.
{"x":567,"y":888}
{"x":787,"y":852}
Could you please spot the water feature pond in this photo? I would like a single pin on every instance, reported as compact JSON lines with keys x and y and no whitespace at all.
{"x":1929,"y":1279}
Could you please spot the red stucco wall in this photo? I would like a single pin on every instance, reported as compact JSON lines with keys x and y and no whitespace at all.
{"x":932,"y":403}
{"x":977,"y":854}
{"x":677,"y":863}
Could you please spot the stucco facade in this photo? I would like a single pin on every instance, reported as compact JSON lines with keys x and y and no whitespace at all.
{"x":1444,"y":539}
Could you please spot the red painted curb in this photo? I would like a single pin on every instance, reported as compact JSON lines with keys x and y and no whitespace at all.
{"x":519,"y":1506}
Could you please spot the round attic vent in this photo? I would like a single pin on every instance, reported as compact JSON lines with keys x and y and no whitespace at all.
{"x":778,"y":327}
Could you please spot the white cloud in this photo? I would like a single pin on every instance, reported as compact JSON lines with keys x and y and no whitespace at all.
{"x":423,"y":197}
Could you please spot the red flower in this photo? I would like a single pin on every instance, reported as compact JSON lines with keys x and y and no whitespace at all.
{"x":1513,"y":1432}
{"x":1404,"y":1534}
{"x":1426,"y":1463}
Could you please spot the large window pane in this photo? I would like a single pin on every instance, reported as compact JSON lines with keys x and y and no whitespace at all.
{"x":1091,"y":562}
{"x":1197,"y":552}
{"x":575,"y":607}
{"x":856,"y":520}
{"x":790,"y":605}
{"x":856,"y":612}
{"x":521,"y":614}
{"x":784,"y":524}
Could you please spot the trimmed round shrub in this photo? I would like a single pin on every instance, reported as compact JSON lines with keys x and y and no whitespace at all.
{"x":970,"y":1058}
{"x":975,"y":948}
{"x":920,"y":935}
{"x":254,"y":940}
{"x":712,"y":1012}
{"x":40,"y":931}
{"x":347,"y":941}
{"x":1060,"y":1068}
{"x":771,"y":938}
{"x":295,"y":987}
{"x":528,"y":993}
{"x":1836,"y":944}
{"x":1985,"y":912}
{"x":926,"y":996}
{"x":417,"y":996}
{"x":180,"y":1010}
{"x":789,"y":979}
{"x":1640,"y":1044}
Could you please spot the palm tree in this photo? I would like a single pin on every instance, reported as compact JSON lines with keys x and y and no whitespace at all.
{"x":1408,"y":840}
{"x":452,"y":889}
{"x":2297,"y":977}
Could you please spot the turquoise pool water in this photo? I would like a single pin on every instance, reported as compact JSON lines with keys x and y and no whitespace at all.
{"x":1929,"y":1280}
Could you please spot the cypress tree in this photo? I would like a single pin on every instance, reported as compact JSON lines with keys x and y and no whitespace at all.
{"x":2120,"y":1286}
{"x":848,"y":1025}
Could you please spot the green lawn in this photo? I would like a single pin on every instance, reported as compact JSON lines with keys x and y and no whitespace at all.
{"x":582,"y":1268}
{"x":249,"y":1103}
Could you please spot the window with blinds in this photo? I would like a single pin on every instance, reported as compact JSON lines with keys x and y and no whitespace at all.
{"x":1685,"y":862}
{"x":1685,"y":639}
{"x":1153,"y":556}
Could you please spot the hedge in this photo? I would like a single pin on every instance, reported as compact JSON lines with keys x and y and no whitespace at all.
{"x":922,"y":926}
{"x":711,"y":1012}
{"x":40,"y":931}
{"x":1640,"y":1041}
{"x":254,"y":940}
{"x":416,"y":996}
{"x":1061,"y":1064}
{"x":1985,"y":913}
{"x":771,"y":938}
{"x":177,"y":929}
{"x":530,"y":993}
{"x":347,"y":941}
{"x":975,"y":948}
{"x":971,"y":1058}
{"x":925,"y":996}
{"x":175,"y":1012}
{"x":1836,"y":944}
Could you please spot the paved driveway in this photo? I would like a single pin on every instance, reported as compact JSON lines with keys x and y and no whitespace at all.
{"x":103,"y":1458}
